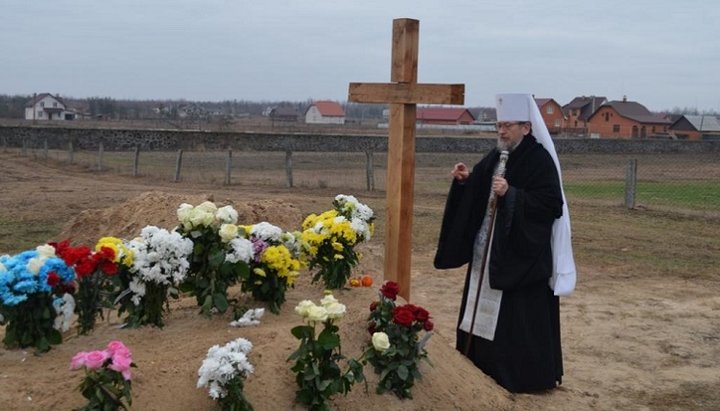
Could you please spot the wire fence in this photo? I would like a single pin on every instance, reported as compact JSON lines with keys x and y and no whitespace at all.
{"x":674,"y":181}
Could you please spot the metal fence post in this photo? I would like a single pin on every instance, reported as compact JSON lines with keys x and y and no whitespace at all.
{"x":100,"y":157}
{"x":178,"y":165}
{"x":136,"y":161}
{"x":370,"y":172}
{"x":288,"y":168}
{"x":228,"y":167}
{"x":630,"y":183}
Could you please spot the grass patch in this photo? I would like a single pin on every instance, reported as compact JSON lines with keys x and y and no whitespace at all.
{"x":19,"y":235}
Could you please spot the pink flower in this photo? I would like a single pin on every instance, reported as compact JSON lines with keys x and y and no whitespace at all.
{"x":121,"y":364}
{"x":117,"y":346}
{"x":95,"y":359}
{"x":78,"y":360}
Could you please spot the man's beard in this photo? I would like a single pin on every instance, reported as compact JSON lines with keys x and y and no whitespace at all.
{"x":508,"y":146}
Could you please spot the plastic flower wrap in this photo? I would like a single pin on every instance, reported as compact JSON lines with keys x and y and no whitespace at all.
{"x":160,"y":264}
{"x":274,"y":265}
{"x":395,"y":347}
{"x":318,"y":374}
{"x":223,"y":372}
{"x":220,"y":255}
{"x":107,"y":384}
{"x":331,"y":237}
{"x":30,"y":283}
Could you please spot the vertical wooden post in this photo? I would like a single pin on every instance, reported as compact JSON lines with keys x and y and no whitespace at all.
{"x":136,"y":161}
{"x":71,"y":152}
{"x":23,"y":150}
{"x":178,"y":165}
{"x":100,"y":157}
{"x":228,"y":167}
{"x":370,"y":170}
{"x":288,"y":168}
{"x":45,"y":148}
{"x":630,"y":183}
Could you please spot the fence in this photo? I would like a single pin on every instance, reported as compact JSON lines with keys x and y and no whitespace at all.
{"x":680,"y":176}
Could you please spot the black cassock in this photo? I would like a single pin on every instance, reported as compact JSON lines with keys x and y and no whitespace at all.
{"x":525,"y":354}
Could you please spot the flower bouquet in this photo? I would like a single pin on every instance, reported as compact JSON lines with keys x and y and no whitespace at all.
{"x":316,"y":360}
{"x":395,"y":348}
{"x":219,"y":257}
{"x":223,"y":372}
{"x":93,"y":271}
{"x":160,"y":263}
{"x":107,"y":384}
{"x":274,"y":265}
{"x":30,"y":282}
{"x":332,"y":236}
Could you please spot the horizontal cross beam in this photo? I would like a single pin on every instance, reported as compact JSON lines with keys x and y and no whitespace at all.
{"x":407,"y":93}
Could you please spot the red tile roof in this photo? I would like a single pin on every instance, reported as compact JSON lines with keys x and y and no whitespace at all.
{"x":329,"y":108}
{"x":441,"y":113}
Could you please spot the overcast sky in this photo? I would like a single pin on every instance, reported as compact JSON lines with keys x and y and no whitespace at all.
{"x":661,"y":53}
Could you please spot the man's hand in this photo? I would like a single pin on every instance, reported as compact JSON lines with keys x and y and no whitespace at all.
{"x":499,"y":186}
{"x":460,"y":172}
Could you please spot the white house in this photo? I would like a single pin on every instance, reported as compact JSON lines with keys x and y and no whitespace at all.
{"x":45,"y":106}
{"x":325,"y":112}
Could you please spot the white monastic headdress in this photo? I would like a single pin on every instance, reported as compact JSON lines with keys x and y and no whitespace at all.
{"x":522,"y":107}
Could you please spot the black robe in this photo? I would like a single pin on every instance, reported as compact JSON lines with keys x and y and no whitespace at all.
{"x":525,"y":354}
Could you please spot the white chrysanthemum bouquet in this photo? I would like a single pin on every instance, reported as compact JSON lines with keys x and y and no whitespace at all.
{"x":223,"y":373}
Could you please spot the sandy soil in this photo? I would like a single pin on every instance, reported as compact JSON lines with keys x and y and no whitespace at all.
{"x":631,"y":341}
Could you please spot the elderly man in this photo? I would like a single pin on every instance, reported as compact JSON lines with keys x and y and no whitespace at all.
{"x":508,"y":220}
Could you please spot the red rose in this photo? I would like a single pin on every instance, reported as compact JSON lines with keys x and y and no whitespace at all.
{"x":109,"y":268}
{"x":422,"y":314}
{"x":53,"y":279}
{"x":371,"y":327}
{"x":428,"y":325}
{"x":85,"y":267}
{"x":390,"y":290}
{"x":373,"y":305}
{"x":402,"y":316}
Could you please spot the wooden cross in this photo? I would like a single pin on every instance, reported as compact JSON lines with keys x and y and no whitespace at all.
{"x":403,"y":94}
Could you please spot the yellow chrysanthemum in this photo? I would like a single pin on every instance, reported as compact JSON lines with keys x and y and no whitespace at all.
{"x":118,"y":247}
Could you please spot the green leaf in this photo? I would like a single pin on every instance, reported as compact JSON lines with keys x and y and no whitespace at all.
{"x":328,"y":340}
{"x":402,"y":372}
{"x":221,"y":302}
{"x":302,"y":331}
{"x":216,"y":258}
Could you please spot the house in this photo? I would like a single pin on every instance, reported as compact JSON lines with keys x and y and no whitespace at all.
{"x":443,"y":116}
{"x":551,"y":113}
{"x":325,"y":112}
{"x":627,"y":119}
{"x":578,"y":111}
{"x":45,"y":106}
{"x":688,"y":127}
{"x":284,"y":113}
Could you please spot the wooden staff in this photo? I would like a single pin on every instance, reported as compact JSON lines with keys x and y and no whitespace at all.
{"x":492,"y":211}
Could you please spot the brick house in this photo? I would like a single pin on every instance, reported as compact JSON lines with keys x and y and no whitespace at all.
{"x":578,"y":111}
{"x":688,"y":127}
{"x":444,"y":115}
{"x":627,"y":119}
{"x":325,"y":112}
{"x":552,"y":114}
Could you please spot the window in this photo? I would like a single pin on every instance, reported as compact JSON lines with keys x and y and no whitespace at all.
{"x":557,"y":123}
{"x":550,"y":110}
{"x":42,"y":104}
{"x":40,"y":114}
{"x":607,"y":117}
{"x":616,"y":128}
{"x":54,"y":104}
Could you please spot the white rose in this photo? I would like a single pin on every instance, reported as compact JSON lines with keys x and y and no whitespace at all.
{"x":208,"y":206}
{"x":335,"y":310}
{"x":183,"y":212}
{"x":228,"y":232}
{"x":227,"y":214}
{"x":35,"y":264}
{"x":328,"y":299}
{"x":380,"y":341}
{"x":317,"y":314}
{"x":303,"y":307}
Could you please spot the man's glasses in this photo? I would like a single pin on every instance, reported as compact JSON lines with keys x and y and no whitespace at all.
{"x":506,"y":124}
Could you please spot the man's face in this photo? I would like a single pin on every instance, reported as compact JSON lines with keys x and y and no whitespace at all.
{"x":511,"y":133}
